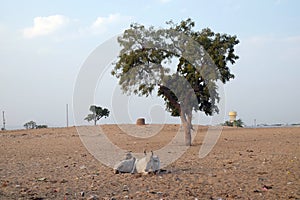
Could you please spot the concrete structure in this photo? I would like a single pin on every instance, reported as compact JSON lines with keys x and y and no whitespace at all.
{"x":140,"y":121}
{"x":232,"y":116}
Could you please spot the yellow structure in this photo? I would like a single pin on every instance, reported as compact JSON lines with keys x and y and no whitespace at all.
{"x":232,"y":116}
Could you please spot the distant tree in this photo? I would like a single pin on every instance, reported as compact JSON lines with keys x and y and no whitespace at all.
{"x":97,"y":114}
{"x":238,"y":123}
{"x":30,"y":125}
{"x":203,"y":58}
{"x":228,"y":123}
{"x":41,"y":126}
{"x":235,"y":123}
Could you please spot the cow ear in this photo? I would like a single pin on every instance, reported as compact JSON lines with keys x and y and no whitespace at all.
{"x":151,"y":152}
{"x":145,"y":152}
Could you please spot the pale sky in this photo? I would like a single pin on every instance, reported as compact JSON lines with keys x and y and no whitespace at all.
{"x":43,"y":45}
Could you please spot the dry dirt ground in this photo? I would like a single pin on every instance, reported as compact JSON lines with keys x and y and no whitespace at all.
{"x":245,"y":163}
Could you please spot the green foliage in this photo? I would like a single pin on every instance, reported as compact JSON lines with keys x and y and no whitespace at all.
{"x":235,"y":123}
{"x":41,"y":126}
{"x":142,"y":63}
{"x":30,"y":125}
{"x":33,"y":125}
{"x":143,"y":66}
{"x":97,"y":114}
{"x":228,"y":123}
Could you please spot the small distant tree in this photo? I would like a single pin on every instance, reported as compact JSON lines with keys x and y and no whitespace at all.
{"x":235,"y":123}
{"x":97,"y":113}
{"x":238,"y":123}
{"x":30,"y":125}
{"x":41,"y":126}
{"x":228,"y":123}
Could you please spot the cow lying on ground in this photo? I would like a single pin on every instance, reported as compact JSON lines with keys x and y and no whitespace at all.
{"x":149,"y":163}
{"x":127,"y":165}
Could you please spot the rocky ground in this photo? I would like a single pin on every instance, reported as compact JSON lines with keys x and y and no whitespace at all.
{"x":245,"y":163}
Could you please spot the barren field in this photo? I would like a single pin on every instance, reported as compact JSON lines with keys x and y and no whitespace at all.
{"x":53,"y":163}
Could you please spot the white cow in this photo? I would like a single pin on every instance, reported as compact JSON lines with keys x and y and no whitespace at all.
{"x":127,"y":165}
{"x":154,"y":164}
{"x":149,"y":163}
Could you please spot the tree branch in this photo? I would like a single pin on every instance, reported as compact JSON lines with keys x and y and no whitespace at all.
{"x":167,"y":93}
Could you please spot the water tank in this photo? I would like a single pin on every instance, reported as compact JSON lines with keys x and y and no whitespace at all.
{"x":232,"y":116}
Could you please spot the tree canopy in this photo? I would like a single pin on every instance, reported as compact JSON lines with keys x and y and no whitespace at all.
{"x":33,"y":125}
{"x":97,"y":113}
{"x":145,"y":65}
{"x":235,"y":123}
{"x":30,"y":125}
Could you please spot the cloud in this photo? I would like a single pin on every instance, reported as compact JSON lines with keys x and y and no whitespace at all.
{"x":45,"y":25}
{"x":102,"y":24}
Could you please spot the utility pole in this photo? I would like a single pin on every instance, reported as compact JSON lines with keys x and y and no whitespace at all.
{"x":3,"y":119}
{"x":67,"y":114}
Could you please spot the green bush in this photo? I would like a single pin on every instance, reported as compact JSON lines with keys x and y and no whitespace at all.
{"x":235,"y":123}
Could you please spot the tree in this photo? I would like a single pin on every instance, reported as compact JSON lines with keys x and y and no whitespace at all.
{"x":203,"y":56}
{"x":97,"y":114}
{"x":235,"y":123}
{"x":228,"y":123}
{"x":41,"y":126}
{"x":30,"y":125}
{"x":238,"y":123}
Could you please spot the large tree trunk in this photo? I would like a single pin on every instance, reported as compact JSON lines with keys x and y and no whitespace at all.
{"x":187,"y":129}
{"x":185,"y":110}
{"x":187,"y":135}
{"x":186,"y":118}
